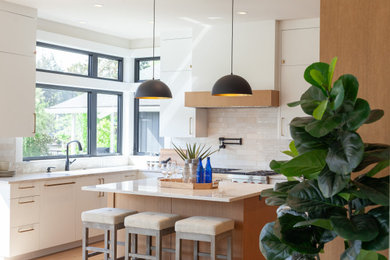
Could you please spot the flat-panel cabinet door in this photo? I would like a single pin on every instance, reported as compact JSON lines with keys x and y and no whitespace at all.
{"x":57,"y":219}
{"x":300,"y":46}
{"x":87,"y":200}
{"x":175,"y":119}
{"x":17,"y":99}
{"x":17,"y":33}
{"x":176,"y":54}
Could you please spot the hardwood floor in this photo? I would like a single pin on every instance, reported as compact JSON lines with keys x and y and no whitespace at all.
{"x":73,"y":254}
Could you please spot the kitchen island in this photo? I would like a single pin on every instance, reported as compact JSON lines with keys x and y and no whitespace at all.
{"x":240,"y":202}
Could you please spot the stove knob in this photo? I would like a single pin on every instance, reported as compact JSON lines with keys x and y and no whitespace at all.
{"x":245,"y":182}
{"x":235,"y":181}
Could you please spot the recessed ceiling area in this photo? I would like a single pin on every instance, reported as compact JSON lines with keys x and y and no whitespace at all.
{"x":131,"y":19}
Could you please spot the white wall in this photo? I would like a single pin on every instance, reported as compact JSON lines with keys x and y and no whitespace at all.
{"x":254,"y":54}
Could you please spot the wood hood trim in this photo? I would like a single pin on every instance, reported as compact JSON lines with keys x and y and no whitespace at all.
{"x":204,"y":99}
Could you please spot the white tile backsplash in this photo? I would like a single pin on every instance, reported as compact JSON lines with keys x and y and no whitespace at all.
{"x":258,"y":128}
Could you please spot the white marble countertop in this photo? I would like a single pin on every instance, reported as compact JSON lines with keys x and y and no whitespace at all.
{"x":226,"y":192}
{"x":67,"y":174}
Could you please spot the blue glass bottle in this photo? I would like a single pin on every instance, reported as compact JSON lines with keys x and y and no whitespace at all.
{"x":208,"y":172}
{"x":200,"y":172}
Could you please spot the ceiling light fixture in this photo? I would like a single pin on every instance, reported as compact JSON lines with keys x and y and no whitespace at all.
{"x":153,"y":89}
{"x":214,"y":18}
{"x":231,"y":85}
{"x":98,"y":5}
{"x":242,"y":12}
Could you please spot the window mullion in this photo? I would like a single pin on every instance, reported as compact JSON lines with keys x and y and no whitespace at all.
{"x":94,"y":65}
{"x":92,"y":123}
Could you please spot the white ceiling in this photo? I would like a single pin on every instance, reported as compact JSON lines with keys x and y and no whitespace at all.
{"x":131,"y":19}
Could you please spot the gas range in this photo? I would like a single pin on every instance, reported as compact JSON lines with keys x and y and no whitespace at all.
{"x":244,"y":176}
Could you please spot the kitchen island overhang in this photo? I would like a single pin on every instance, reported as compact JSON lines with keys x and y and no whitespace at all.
{"x":238,"y":201}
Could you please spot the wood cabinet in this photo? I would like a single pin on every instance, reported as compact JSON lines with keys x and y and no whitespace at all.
{"x":17,"y":70}
{"x":299,"y":47}
{"x":57,"y":217}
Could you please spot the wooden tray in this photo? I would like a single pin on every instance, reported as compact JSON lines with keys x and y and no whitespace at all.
{"x":179,"y":184}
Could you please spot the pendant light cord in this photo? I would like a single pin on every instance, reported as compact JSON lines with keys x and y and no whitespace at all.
{"x":231,"y":49}
{"x":154,"y":32}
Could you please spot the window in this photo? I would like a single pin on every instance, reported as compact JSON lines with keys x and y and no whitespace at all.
{"x":58,"y":59}
{"x":144,"y":69}
{"x":147,"y":140}
{"x":63,"y":114}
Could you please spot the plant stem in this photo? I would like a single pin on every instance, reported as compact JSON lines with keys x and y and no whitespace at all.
{"x":318,"y":256}
{"x":350,"y":209}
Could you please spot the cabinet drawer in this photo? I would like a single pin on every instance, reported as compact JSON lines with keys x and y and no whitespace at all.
{"x":24,"y":239}
{"x":24,"y":211}
{"x":24,"y":189}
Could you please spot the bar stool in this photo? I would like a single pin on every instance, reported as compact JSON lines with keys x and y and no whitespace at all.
{"x":150,"y":224}
{"x":108,"y":219}
{"x":207,"y":229}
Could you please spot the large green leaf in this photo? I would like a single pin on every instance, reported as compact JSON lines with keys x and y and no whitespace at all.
{"x":311,"y":99}
{"x":359,"y":115}
{"x":307,"y":197}
{"x":351,"y":87}
{"x":331,"y":69}
{"x":308,"y":164}
{"x":374,"y":153}
{"x":275,"y":165}
{"x":285,"y":186}
{"x":305,"y":142}
{"x":319,"y":222}
{"x":375,"y":189}
{"x":359,"y":227}
{"x":318,"y":78}
{"x":381,"y":242}
{"x":293,"y":152}
{"x":380,"y":166}
{"x":323,"y":69}
{"x":301,"y":239}
{"x":319,"y":128}
{"x":318,"y":113}
{"x":369,"y":255}
{"x":345,"y":154}
{"x":337,"y":95}
{"x":271,"y":246}
{"x":374,"y":116}
{"x":353,"y":251}
{"x":331,"y":183}
{"x":301,"y":121}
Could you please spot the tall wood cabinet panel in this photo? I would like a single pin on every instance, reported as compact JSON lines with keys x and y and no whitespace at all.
{"x":17,"y":70}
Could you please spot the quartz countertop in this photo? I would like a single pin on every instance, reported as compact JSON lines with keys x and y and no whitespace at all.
{"x":67,"y":174}
{"x":226,"y":192}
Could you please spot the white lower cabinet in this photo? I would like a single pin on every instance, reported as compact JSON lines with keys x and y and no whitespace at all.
{"x":24,"y":239}
{"x":57,"y":213}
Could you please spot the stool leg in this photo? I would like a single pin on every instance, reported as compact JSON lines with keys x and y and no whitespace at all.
{"x":178,"y":247}
{"x":127,"y":244}
{"x":196,"y":250}
{"x":229,"y":247}
{"x":159,"y":246}
{"x":134,"y":245}
{"x":106,"y":242}
{"x":148,"y":245}
{"x":113,"y":243}
{"x":213,"y":255}
{"x":85,"y":242}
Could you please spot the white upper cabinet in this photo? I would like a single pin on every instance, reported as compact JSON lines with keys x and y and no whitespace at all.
{"x":299,"y":47}
{"x":17,"y":70}
{"x":175,"y":119}
{"x":177,"y":54}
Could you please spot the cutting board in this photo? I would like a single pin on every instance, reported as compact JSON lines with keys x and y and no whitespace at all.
{"x":166,"y":153}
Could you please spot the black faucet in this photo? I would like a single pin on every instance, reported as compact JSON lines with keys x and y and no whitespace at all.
{"x":68,"y":162}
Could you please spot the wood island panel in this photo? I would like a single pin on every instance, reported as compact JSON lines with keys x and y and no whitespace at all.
{"x":250,"y":215}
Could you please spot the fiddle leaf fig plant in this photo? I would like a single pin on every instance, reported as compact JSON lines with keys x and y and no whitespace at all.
{"x":321,"y":200}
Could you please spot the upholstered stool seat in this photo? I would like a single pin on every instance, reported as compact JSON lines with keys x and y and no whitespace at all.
{"x":109,"y":216}
{"x":108,"y":219}
{"x":208,"y":229}
{"x":149,"y":224}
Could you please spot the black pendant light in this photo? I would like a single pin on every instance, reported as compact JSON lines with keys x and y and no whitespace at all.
{"x":153,"y":89}
{"x":231,"y":85}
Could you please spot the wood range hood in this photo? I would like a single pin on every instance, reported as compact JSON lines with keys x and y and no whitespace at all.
{"x":204,"y":99}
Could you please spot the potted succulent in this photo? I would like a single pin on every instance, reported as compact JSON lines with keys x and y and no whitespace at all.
{"x":322,"y":199}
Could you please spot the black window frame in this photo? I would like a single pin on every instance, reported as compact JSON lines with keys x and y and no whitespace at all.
{"x":92,"y":127}
{"x":136,"y":66}
{"x":92,"y":62}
